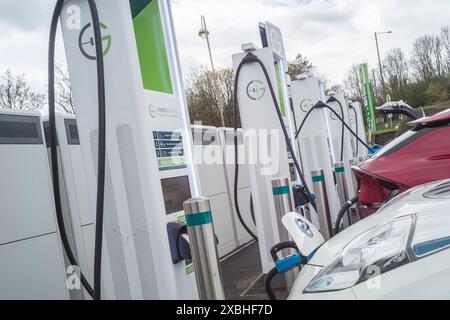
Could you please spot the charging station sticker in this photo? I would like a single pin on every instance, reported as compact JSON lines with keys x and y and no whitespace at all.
{"x":190,"y":268}
{"x":169,"y":150}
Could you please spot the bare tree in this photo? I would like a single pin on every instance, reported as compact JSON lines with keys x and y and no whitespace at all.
{"x":16,"y":94}
{"x":300,"y":65}
{"x":396,"y":72}
{"x":445,"y":39}
{"x":353,"y":85}
{"x":64,"y":98}
{"x":426,"y":58}
{"x":207,"y":92}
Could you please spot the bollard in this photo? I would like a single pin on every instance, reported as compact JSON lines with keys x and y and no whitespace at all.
{"x":204,"y":249}
{"x":323,"y":207}
{"x":283,"y":205}
{"x":342,"y":188}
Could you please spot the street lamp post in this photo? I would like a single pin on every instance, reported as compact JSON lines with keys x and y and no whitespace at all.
{"x":204,"y":34}
{"x":383,"y":84}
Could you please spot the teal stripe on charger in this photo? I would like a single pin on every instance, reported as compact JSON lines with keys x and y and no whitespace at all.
{"x":198,"y":219}
{"x":339,"y":170}
{"x":318,"y":179}
{"x":279,"y":191}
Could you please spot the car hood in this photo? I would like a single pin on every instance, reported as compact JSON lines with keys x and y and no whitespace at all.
{"x":408,"y":203}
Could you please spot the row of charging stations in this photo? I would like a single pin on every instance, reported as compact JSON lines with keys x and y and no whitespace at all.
{"x":150,"y":167}
{"x":215,"y":177}
{"x":145,"y":183}
{"x":320,"y":139}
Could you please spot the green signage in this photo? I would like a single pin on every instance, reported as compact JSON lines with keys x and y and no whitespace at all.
{"x":151,"y":46}
{"x":280,"y":89}
{"x":368,"y":97}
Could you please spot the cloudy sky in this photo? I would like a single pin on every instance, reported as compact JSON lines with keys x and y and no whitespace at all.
{"x":333,"y":34}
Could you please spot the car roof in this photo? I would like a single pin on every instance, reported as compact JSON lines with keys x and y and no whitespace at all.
{"x":439,"y":117}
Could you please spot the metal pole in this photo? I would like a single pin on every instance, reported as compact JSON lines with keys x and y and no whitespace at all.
{"x":379,"y":63}
{"x":322,"y":203}
{"x":204,"y":249}
{"x":283,"y":203}
{"x":342,"y":188}
{"x":210,"y":54}
{"x":281,"y":190}
{"x":205,"y":28}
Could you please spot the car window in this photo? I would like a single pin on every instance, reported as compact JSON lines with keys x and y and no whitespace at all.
{"x":432,"y":234}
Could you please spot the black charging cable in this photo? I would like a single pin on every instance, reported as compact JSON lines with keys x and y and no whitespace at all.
{"x":343,"y":211}
{"x":321,"y":105}
{"x":334,"y":99}
{"x":357,"y":128}
{"x":95,"y":292}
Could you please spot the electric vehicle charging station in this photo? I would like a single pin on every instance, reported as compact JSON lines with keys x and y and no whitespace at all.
{"x":357,"y":125}
{"x":272,"y":37}
{"x":214,"y":183}
{"x":77,"y":202}
{"x":244,"y":191}
{"x":339,"y":145}
{"x":149,"y":167}
{"x":32,"y":262}
{"x":258,"y":113}
{"x":316,"y":144}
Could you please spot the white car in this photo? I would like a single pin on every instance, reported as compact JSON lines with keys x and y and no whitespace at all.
{"x":401,"y":252}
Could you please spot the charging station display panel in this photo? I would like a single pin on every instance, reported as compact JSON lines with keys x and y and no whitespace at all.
{"x":176,"y":191}
{"x":147,"y":139}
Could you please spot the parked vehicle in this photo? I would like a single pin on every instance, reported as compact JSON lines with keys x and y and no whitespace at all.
{"x":401,"y":252}
{"x":419,"y":156}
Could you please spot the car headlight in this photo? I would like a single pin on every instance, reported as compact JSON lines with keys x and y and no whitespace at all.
{"x":374,"y":252}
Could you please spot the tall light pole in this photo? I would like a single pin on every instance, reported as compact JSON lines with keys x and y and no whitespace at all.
{"x":204,"y":34}
{"x":383,"y":84}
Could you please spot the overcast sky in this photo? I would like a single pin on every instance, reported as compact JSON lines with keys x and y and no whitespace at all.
{"x":333,"y":34}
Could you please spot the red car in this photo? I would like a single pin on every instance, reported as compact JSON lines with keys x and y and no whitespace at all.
{"x":419,"y":156}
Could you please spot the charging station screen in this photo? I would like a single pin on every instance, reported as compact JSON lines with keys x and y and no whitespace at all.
{"x":16,"y":129}
{"x":176,"y":191}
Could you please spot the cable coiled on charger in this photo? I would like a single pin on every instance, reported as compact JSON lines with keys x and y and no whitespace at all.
{"x":94,"y":292}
